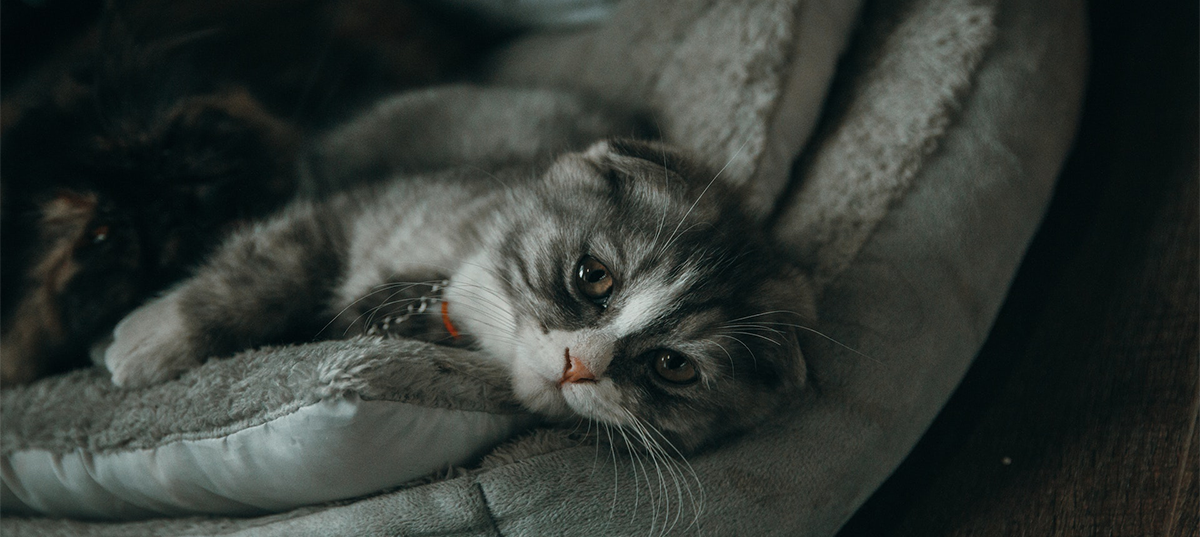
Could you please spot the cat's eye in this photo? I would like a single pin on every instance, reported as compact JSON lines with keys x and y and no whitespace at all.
{"x":673,"y":367}
{"x":92,"y":237}
{"x":99,"y":234}
{"x":594,"y":280}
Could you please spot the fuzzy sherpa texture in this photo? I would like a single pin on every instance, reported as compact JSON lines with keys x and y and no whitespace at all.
{"x":885,"y":123}
{"x":84,"y":410}
{"x":738,"y":82}
{"x":462,"y":125}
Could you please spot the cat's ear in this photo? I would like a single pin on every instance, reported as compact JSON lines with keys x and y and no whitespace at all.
{"x":625,"y":165}
{"x":257,"y":150}
{"x":643,"y":158}
{"x":234,"y":114}
{"x":790,"y":300}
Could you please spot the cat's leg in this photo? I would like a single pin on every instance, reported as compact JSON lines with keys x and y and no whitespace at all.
{"x":265,"y":283}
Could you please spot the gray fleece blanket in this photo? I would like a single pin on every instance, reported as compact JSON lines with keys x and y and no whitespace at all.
{"x":913,"y":202}
{"x":83,"y":409}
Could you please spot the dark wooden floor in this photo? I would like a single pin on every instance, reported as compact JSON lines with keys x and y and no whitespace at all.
{"x":1080,"y":415}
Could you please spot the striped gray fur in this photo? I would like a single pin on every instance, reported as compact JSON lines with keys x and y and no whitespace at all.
{"x":691,"y":273}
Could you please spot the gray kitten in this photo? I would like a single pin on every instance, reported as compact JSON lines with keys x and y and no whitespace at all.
{"x":622,"y":284}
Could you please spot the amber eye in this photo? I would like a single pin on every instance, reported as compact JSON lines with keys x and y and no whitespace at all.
{"x":673,"y":367}
{"x":594,"y":280}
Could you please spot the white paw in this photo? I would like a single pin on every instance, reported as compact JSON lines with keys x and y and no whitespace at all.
{"x":150,"y":345}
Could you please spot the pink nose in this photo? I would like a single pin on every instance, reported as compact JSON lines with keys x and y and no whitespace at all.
{"x":574,"y":371}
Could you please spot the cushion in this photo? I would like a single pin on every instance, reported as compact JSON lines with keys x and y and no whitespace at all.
{"x":919,"y":186}
{"x":267,"y":431}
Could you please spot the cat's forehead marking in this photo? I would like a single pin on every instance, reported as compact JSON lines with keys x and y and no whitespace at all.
{"x":647,"y":301}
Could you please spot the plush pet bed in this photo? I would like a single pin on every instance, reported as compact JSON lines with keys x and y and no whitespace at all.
{"x":925,"y":160}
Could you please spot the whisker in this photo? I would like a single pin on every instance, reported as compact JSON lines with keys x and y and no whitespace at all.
{"x":754,"y":327}
{"x":652,"y":453}
{"x":804,"y":328}
{"x":732,"y":365}
{"x":612,"y":451}
{"x":467,"y":263}
{"x":670,"y":463}
{"x":695,"y":477}
{"x":830,"y":339}
{"x":491,"y":175}
{"x":706,"y":187}
{"x":386,"y":302}
{"x":772,"y":312}
{"x":743,"y":344}
{"x":370,"y":314}
{"x":760,"y":336}
{"x":637,"y":461}
{"x":666,"y":207}
{"x":380,"y":289}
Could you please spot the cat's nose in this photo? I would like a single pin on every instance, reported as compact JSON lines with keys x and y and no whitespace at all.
{"x":574,"y":371}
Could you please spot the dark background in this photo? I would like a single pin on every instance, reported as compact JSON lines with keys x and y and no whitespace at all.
{"x":1079,"y":416}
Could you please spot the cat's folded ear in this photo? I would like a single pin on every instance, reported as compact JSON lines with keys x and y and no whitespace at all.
{"x":633,"y":154}
{"x":622,"y":163}
{"x":644,"y":158}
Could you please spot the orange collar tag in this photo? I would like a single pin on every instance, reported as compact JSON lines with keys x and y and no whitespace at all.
{"x":446,"y":320}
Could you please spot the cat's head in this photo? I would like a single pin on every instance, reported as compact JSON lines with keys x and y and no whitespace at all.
{"x":638,"y":290}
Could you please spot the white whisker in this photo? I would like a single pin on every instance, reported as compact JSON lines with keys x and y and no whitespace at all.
{"x":760,"y":336}
{"x":378,"y":289}
{"x":743,"y":344}
{"x":702,"y":192}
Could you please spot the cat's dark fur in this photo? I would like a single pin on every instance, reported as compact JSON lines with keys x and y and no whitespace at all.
{"x":692,"y":336}
{"x":111,"y":191}
{"x":128,"y":155}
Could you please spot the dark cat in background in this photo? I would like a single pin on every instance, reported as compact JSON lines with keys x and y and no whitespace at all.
{"x":127,"y":154}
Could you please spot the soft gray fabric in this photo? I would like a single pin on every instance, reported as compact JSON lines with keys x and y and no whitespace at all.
{"x":334,"y":449}
{"x":740,"y":82}
{"x":536,"y":13}
{"x":891,"y":119}
{"x":486,"y":127}
{"x":84,"y":409}
{"x":918,"y":268}
{"x":263,"y":432}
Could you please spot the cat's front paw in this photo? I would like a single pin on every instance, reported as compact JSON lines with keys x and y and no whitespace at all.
{"x":151,"y":345}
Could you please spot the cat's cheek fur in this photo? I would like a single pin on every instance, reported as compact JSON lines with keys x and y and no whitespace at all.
{"x":534,"y":378}
{"x":151,"y":345}
{"x":479,"y":308}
